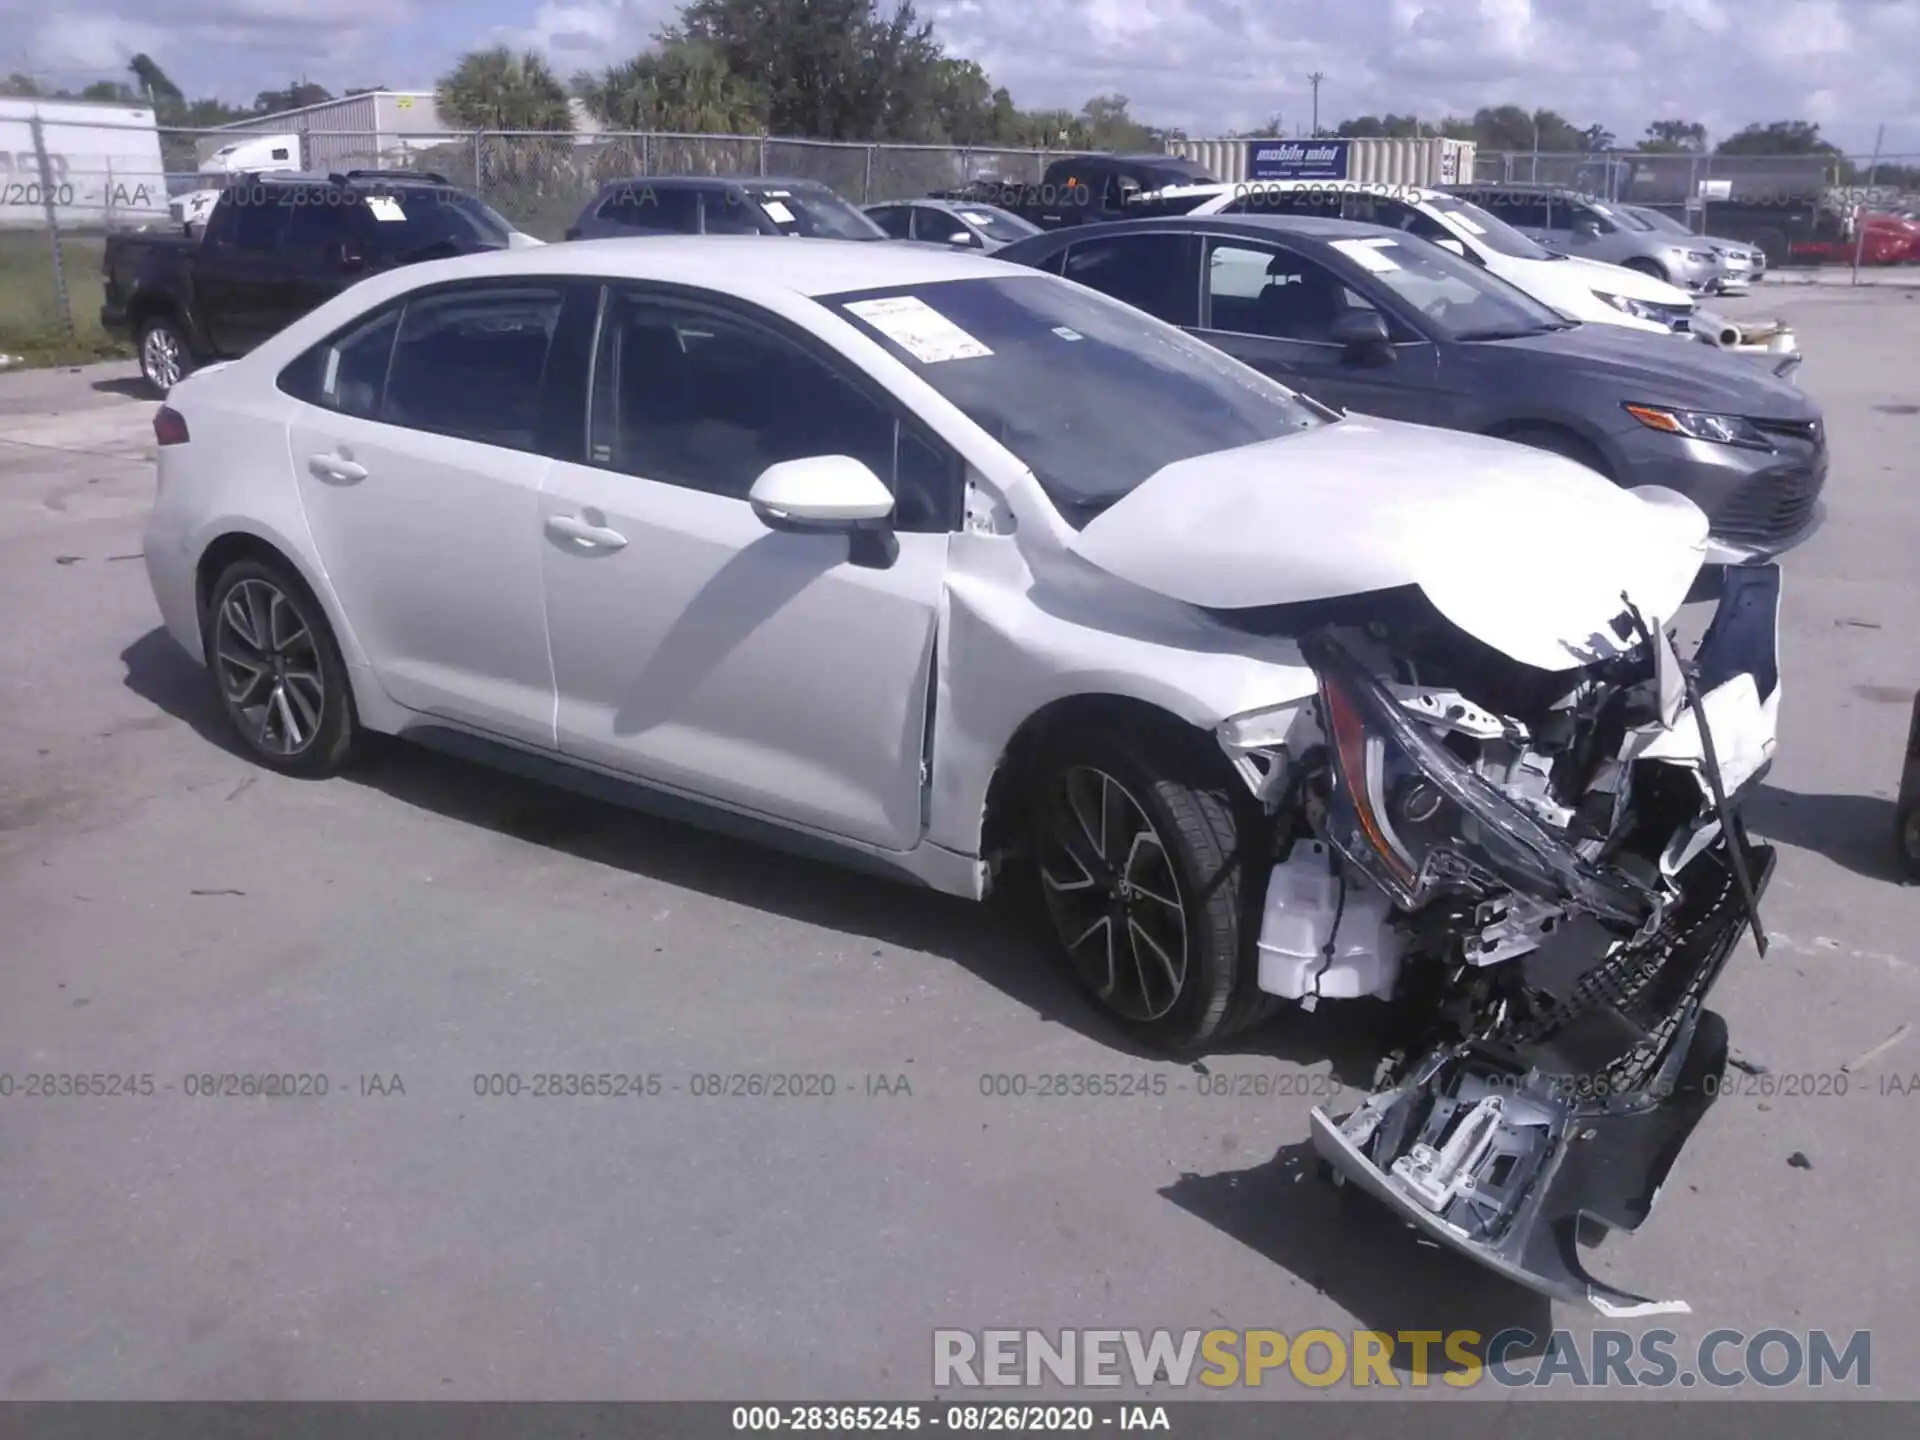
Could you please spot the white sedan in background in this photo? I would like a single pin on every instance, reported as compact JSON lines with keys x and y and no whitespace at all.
{"x":966,"y":572}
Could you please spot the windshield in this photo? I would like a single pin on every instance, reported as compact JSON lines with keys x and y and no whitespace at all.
{"x":1654,"y":220}
{"x":1487,"y":229}
{"x":812,"y":210}
{"x":1456,"y":297}
{"x":995,"y":223}
{"x":1091,"y":395}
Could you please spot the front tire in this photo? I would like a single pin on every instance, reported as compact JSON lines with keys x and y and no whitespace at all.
{"x":1145,"y":866}
{"x":1651,"y":268}
{"x":278,"y":673}
{"x":165,"y":359}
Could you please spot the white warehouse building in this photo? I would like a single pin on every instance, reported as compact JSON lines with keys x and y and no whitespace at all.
{"x":379,"y":128}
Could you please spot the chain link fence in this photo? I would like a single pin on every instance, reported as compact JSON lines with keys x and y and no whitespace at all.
{"x":62,"y":198}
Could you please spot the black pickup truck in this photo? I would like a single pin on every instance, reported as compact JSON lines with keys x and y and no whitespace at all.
{"x":1084,"y":189}
{"x":275,"y":247}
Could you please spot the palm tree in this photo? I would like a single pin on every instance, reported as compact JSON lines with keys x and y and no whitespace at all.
{"x":499,"y":90}
{"x":683,"y":87}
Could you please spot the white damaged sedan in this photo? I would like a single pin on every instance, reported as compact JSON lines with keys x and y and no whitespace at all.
{"x":969,"y":573}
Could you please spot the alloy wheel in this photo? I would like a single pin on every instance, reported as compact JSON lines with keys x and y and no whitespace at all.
{"x":160,"y":357}
{"x":268,"y":663}
{"x":1112,"y":894}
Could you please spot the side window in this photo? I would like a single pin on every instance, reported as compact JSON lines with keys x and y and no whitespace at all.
{"x":469,"y":363}
{"x":320,"y":220}
{"x":1254,"y":290}
{"x":938,"y":226}
{"x":1054,"y":264}
{"x":893,"y":219}
{"x":348,"y":373}
{"x":1153,"y":273}
{"x":706,"y":399}
{"x":726,"y":212}
{"x":650,"y":207}
{"x":259,"y":218}
{"x":1523,"y":212}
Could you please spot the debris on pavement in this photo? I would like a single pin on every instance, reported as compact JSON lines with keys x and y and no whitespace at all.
{"x":1798,"y":1160}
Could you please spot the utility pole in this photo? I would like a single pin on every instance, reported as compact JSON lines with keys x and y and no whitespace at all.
{"x":1314,"y":80}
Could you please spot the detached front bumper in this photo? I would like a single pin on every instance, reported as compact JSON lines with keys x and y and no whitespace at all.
{"x":1515,"y":1151}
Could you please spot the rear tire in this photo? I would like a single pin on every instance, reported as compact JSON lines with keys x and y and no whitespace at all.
{"x":277,"y":672}
{"x":1146,"y":866}
{"x":165,"y":359}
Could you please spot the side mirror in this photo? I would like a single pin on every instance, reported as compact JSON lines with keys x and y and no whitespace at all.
{"x":829,"y":495}
{"x":1587,"y":229}
{"x":1364,"y":333}
{"x":1453,"y":245}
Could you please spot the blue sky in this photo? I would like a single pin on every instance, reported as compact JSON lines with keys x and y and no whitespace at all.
{"x":1206,"y":65}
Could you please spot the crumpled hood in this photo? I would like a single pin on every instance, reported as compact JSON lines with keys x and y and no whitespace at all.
{"x":1527,"y":551}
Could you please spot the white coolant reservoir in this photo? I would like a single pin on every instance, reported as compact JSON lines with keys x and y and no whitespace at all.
{"x":1306,"y":909}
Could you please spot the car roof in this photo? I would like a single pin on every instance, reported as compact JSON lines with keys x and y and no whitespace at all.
{"x":1412,"y":194}
{"x":796,"y":266}
{"x":716,"y":182}
{"x":357,"y":178}
{"x":1318,"y":228}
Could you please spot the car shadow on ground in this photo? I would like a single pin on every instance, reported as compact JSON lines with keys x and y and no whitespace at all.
{"x":134,"y":387}
{"x":997,"y":942}
{"x":1347,"y":1247}
{"x":1279,"y":1209}
{"x":1856,"y":832}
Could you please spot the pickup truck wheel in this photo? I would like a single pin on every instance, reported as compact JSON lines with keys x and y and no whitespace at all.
{"x":1148,"y":888}
{"x":164,"y":357}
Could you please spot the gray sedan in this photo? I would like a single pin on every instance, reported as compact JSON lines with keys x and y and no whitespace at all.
{"x":1741,"y":263}
{"x":1374,"y":320}
{"x":963,"y":225}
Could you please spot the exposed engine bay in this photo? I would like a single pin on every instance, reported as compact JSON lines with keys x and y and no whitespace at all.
{"x":1544,"y":872}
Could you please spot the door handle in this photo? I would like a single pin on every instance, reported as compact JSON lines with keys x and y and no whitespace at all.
{"x":569,"y":527}
{"x":336,"y":467}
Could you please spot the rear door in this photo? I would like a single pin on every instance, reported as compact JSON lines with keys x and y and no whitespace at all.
{"x":419,"y":455}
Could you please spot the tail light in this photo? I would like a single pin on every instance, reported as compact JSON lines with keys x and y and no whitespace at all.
{"x":169,"y":426}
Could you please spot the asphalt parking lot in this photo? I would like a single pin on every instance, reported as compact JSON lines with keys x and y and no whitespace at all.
{"x":169,"y":910}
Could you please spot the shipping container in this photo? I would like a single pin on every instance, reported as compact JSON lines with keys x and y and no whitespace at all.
{"x":1369,"y":161}
{"x":103,"y":165}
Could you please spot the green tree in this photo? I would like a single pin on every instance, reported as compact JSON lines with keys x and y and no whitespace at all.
{"x":1675,"y":137}
{"x":1108,"y":126}
{"x":496,"y":89}
{"x":1365,"y":127}
{"x":1509,"y":127}
{"x":681,"y":86}
{"x":294,"y":97}
{"x":1777,"y":137}
{"x":20,"y":86}
{"x":110,"y":92}
{"x":154,"y":83}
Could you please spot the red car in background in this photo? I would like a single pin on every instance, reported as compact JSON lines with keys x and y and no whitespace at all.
{"x":1883,"y":239}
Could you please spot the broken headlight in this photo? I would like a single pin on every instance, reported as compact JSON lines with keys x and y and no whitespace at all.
{"x":1419,"y":822}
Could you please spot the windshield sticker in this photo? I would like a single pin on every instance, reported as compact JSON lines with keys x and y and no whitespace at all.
{"x":1067,"y":332}
{"x":1370,"y":253}
{"x":777,"y":194}
{"x":385,"y":207}
{"x":973,"y":217}
{"x":920,"y":330}
{"x":330,"y":385}
{"x":777,"y":212}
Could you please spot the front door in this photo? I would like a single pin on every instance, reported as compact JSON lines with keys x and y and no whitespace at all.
{"x":241,"y":268}
{"x":1272,"y":309}
{"x":417,"y":459}
{"x":697,"y":648}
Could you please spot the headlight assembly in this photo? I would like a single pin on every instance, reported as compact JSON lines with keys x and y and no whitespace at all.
{"x":1627,"y":305}
{"x":1419,"y":823}
{"x":1696,"y":425}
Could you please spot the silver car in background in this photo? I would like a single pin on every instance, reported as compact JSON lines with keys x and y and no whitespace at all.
{"x":1573,"y":224}
{"x":1741,"y":265}
{"x":961,"y":224}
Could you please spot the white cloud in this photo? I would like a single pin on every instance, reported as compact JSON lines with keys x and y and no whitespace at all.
{"x":1205,"y":65}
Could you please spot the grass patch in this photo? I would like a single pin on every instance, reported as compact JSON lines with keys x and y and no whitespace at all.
{"x":30,"y":320}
